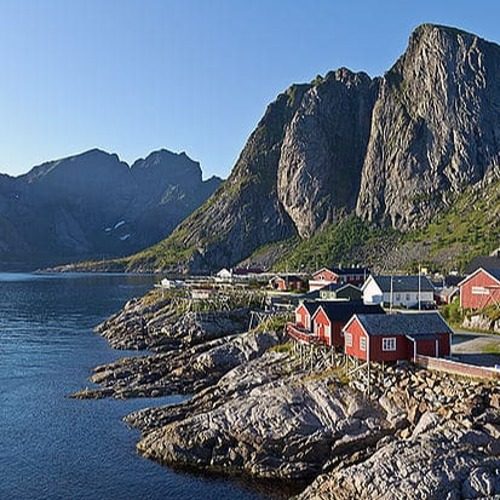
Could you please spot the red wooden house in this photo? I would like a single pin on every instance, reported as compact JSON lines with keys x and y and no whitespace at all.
{"x":395,"y":337}
{"x":338,"y":275}
{"x":331,"y":316}
{"x":286,"y":283}
{"x":303,"y":314}
{"x":480,"y":289}
{"x":323,"y":320}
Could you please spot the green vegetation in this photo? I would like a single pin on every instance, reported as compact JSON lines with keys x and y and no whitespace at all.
{"x":287,"y":347}
{"x":491,"y":348}
{"x":470,"y":227}
{"x":330,"y":246}
{"x":452,"y":313}
{"x":274,"y":323}
{"x":166,"y":254}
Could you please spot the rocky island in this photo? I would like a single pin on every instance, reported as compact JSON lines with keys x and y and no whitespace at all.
{"x":257,"y":409}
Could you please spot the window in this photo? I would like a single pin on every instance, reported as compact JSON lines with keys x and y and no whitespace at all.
{"x":407,"y":297}
{"x":389,"y":344}
{"x":480,"y":290}
{"x":348,"y":340}
{"x":362,"y":343}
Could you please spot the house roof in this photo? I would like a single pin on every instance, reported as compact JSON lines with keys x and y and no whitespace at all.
{"x":333,"y":287}
{"x":340,"y":271}
{"x":311,"y":306}
{"x":350,"y":270}
{"x":343,"y":310}
{"x":289,"y":277}
{"x":485,"y":262}
{"x":494,"y":273}
{"x":403,"y":283}
{"x":414,"y":324}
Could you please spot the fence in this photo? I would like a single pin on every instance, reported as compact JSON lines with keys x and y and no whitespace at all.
{"x":456,"y":368}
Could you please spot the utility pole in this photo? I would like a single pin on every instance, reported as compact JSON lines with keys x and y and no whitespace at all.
{"x":419,"y":286}
{"x":392,"y":291}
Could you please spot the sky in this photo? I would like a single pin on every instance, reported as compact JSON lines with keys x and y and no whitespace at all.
{"x":133,"y":76}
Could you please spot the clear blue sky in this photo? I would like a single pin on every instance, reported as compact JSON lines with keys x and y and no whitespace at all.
{"x":133,"y":76}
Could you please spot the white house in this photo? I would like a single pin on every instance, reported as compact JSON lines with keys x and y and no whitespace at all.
{"x":398,"y":290}
{"x":225,"y":275}
{"x":171,"y":284}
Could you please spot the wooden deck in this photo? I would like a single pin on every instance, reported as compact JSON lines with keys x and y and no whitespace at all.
{"x":300,"y":335}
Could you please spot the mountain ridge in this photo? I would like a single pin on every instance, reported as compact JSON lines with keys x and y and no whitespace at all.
{"x":424,"y":132}
{"x":92,"y":204}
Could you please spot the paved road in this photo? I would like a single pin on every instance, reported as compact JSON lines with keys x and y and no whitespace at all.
{"x":469,"y":347}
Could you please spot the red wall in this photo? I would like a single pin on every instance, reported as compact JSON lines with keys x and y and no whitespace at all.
{"x":357,"y":332}
{"x":404,"y":346}
{"x":321,"y":322}
{"x":337,"y":337}
{"x":326,"y":275}
{"x":468,"y":300}
{"x":301,"y":313}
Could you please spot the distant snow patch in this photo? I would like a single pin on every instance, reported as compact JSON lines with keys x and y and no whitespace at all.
{"x":125,"y":237}
{"x":119,"y":224}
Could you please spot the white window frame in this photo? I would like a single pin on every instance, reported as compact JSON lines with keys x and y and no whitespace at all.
{"x":479,"y":290}
{"x":348,"y":339}
{"x":362,"y":343}
{"x":389,"y":344}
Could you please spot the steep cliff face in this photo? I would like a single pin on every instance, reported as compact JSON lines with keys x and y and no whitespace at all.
{"x":94,"y":205}
{"x":245,"y":212}
{"x":394,"y":151}
{"x":435,"y":128}
{"x":324,"y":149}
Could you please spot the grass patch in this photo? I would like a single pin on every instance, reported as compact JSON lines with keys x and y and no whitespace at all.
{"x":491,"y":348}
{"x":285,"y":348}
{"x":274,"y":323}
{"x":331,"y":245}
{"x":472,"y":224}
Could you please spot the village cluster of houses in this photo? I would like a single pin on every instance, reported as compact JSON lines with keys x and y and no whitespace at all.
{"x":350,"y":310}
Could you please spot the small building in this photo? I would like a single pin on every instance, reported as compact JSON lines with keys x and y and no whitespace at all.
{"x":480,"y":289}
{"x":287,"y":283}
{"x":405,"y":291}
{"x":335,"y":291}
{"x":330,"y":318}
{"x":170,"y":284}
{"x":338,"y":275}
{"x":224,"y":275}
{"x":396,"y":337}
{"x":303,"y":314}
{"x":446,"y":295}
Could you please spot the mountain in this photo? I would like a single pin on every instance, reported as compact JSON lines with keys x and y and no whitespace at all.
{"x":92,"y":205}
{"x":393,"y":152}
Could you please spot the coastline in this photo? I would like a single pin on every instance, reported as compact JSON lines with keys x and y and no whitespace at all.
{"x":256,"y":412}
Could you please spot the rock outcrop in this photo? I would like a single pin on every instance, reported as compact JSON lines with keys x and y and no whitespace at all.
{"x":393,"y":150}
{"x":435,"y":127}
{"x":93,"y":205}
{"x":443,"y":461}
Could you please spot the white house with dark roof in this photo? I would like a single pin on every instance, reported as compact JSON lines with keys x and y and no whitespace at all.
{"x":402,"y":291}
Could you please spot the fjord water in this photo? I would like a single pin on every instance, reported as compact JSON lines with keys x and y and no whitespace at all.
{"x":55,"y":447}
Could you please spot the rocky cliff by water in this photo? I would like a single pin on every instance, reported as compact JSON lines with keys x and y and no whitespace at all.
{"x":395,"y":151}
{"x":93,"y":205}
{"x":263,"y":409}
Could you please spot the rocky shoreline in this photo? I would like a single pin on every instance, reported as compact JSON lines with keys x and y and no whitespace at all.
{"x":256,"y":410}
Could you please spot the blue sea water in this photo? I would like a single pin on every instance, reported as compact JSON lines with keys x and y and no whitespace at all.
{"x":53,"y":447}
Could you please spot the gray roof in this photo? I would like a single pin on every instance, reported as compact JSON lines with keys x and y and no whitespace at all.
{"x":403,"y":283}
{"x":411,"y":324}
{"x":486,"y":262}
{"x":495,"y":272}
